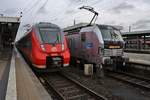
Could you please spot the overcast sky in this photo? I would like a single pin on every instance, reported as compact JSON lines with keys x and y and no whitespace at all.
{"x":134,"y":13}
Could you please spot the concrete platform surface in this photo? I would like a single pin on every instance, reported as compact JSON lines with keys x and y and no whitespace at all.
{"x":4,"y":71}
{"x":11,"y":87}
{"x":139,"y":58}
{"x":27,"y":86}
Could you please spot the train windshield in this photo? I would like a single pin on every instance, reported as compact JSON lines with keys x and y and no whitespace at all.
{"x":49,"y":35}
{"x":110,"y":33}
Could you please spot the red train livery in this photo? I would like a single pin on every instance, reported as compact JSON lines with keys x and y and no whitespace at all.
{"x":45,"y":46}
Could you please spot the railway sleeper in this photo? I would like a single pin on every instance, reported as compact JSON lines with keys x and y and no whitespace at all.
{"x":74,"y":93}
{"x":59,"y":82}
{"x":143,"y":83}
{"x":67,"y":88}
{"x":132,"y":83}
{"x":63,"y":85}
{"x":82,"y":96}
{"x":70,"y":91}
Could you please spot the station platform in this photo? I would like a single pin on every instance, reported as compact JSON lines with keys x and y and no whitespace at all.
{"x":5,"y":56}
{"x":137,"y":51}
{"x":139,"y":58}
{"x":18,"y":82}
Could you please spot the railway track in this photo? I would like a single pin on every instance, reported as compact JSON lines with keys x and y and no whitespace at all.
{"x":68,"y":89}
{"x":130,"y":78}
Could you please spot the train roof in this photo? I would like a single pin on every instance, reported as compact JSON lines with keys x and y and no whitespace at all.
{"x":135,"y":33}
{"x":77,"y":27}
{"x":47,"y":24}
{"x":112,"y":26}
{"x":40,"y":24}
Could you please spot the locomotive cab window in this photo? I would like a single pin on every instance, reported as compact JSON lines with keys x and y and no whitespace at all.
{"x":110,"y":33}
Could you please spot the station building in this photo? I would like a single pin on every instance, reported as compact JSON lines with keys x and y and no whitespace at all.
{"x":8,"y":30}
{"x":137,"y":40}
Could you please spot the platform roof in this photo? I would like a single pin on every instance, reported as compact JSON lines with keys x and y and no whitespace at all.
{"x":10,"y":19}
{"x":136,"y":33}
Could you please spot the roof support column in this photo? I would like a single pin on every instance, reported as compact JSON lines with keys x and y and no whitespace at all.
{"x":138,"y":43}
{"x":144,"y":42}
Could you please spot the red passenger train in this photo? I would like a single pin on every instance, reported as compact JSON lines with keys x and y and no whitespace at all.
{"x":45,"y":46}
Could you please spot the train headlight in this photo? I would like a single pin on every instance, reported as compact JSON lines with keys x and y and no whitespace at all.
{"x":43,"y":48}
{"x":63,"y":47}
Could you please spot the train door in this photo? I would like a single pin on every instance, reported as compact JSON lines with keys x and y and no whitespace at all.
{"x":83,"y":41}
{"x":96,"y":56}
{"x":86,"y":45}
{"x":89,"y":46}
{"x":72,"y":46}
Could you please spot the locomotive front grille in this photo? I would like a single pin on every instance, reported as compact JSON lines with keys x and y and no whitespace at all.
{"x":54,"y":61}
{"x":112,"y":52}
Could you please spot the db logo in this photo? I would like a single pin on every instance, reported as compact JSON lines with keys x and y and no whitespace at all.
{"x":54,"y":49}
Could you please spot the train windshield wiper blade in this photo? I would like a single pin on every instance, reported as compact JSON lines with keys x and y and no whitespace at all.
{"x":114,"y":35}
{"x":57,"y":39}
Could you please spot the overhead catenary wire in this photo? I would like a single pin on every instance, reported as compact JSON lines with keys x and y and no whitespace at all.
{"x":40,"y":8}
{"x":34,"y":9}
{"x":86,"y":2}
{"x":27,"y":5}
{"x":38,"y":3}
{"x":31,"y":8}
{"x":27,"y":19}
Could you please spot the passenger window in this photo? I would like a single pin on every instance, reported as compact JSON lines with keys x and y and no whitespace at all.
{"x":83,"y":37}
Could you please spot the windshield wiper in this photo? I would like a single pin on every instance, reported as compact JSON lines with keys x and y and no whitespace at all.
{"x":113,"y":34}
{"x":57,"y":39}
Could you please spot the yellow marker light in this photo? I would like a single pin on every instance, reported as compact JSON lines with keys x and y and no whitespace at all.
{"x":114,"y":47}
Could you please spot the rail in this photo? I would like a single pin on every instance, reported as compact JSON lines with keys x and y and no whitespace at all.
{"x":132,"y":79}
{"x":69,"y":89}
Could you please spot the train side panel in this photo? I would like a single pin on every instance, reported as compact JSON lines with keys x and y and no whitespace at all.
{"x":85,"y":45}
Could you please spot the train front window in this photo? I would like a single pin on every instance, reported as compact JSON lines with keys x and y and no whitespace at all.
{"x":51,"y":35}
{"x":117,"y":35}
{"x":110,"y":33}
{"x":106,"y":34}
